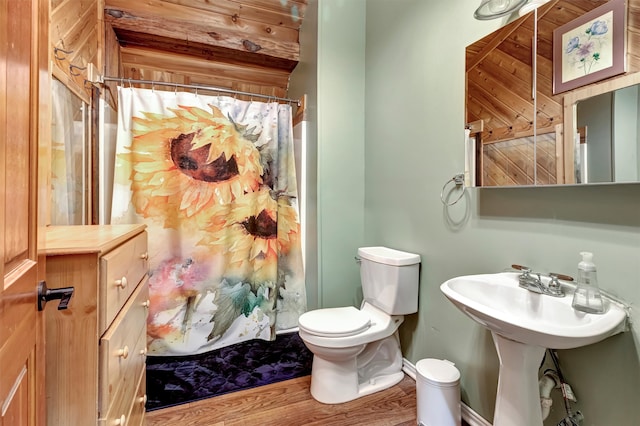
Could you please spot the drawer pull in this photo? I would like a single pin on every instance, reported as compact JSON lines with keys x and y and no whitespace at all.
{"x":143,"y":400}
{"x":144,"y":256}
{"x":122,"y":283}
{"x":146,"y":304}
{"x":143,"y":352}
{"x":121,"y":421}
{"x":124,"y":352}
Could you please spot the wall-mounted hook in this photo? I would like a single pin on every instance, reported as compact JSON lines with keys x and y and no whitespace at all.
{"x":61,"y":58}
{"x":72,"y":67}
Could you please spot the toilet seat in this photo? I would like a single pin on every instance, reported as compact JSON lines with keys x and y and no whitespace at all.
{"x":335,"y":322}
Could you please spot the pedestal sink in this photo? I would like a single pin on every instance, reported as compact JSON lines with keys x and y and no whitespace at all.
{"x":523,"y":324}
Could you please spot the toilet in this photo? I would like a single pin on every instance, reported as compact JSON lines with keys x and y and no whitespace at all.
{"x":356,"y":352}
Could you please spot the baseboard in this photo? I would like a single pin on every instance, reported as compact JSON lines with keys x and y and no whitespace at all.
{"x":468,"y":415}
{"x":288,"y":330}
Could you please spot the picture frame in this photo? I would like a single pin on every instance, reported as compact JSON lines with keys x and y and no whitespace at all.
{"x":590,"y":48}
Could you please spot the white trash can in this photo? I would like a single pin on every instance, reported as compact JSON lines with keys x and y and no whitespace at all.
{"x":438,"y":393}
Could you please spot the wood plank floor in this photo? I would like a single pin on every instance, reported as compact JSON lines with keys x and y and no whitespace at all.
{"x":290,"y":403}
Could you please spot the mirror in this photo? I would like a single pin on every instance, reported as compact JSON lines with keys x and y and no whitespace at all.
{"x":516,"y":125}
{"x":70,"y":158}
{"x":606,"y":137}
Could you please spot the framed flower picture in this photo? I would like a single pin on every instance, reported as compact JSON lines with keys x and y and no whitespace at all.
{"x":589,"y":48}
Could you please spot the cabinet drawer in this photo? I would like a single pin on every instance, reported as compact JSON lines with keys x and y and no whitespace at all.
{"x":138,"y":409}
{"x":123,"y":352}
{"x":120,"y":271}
{"x":128,"y":410}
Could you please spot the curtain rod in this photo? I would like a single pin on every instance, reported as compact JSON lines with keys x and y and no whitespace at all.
{"x":123,"y":80}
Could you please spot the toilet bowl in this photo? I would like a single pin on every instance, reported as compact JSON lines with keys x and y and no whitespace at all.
{"x":356,"y":352}
{"x":361,"y":358}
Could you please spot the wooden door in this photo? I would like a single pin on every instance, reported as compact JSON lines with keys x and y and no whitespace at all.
{"x":23,"y":100}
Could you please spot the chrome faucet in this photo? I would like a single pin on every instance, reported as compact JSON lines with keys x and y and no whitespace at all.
{"x":532,"y":281}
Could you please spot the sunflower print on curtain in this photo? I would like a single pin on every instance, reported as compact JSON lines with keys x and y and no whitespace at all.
{"x":213,"y":178}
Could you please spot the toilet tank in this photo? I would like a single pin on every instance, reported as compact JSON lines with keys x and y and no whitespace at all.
{"x":390,"y":279}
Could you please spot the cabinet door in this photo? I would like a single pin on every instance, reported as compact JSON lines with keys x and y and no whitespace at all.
{"x":500,"y":95}
{"x":519,"y":139}
{"x":21,"y":327}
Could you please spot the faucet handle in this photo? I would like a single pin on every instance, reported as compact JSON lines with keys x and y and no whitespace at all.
{"x":554,"y":288}
{"x":524,"y":269}
{"x":560,"y":276}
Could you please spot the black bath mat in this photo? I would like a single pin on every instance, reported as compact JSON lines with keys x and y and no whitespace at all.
{"x":173,"y":380}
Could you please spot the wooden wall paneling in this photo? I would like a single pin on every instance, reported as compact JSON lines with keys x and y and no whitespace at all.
{"x":112,"y":65}
{"x":546,"y":158}
{"x":288,"y":15}
{"x":188,"y":65}
{"x":164,"y":11}
{"x":499,"y":125}
{"x":300,"y":113}
{"x":266,"y":90}
{"x":73,"y":32}
{"x":499,"y":81}
{"x":520,"y":161}
{"x":101,"y":36}
{"x":74,"y":28}
{"x":514,"y":76}
{"x":516,"y":70}
{"x":497,"y":167}
{"x":502,"y":115}
{"x":633,"y":35}
{"x":519,"y":44}
{"x":169,"y":23}
{"x":486,"y":45}
{"x":507,"y":92}
{"x":246,"y":45}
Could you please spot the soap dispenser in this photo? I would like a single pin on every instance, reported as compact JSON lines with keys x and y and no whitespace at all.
{"x":587,"y":297}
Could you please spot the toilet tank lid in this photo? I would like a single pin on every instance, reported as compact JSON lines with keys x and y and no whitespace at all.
{"x":388,"y":256}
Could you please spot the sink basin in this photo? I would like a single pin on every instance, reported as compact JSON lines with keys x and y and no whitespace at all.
{"x":496,"y":301}
{"x":523,"y":324}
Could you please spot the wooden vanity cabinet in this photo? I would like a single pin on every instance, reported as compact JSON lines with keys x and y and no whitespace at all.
{"x":96,"y":349}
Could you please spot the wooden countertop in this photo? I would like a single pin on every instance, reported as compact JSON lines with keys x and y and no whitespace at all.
{"x":78,"y":239}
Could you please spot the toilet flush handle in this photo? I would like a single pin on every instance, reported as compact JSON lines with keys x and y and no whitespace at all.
{"x":358,"y":260}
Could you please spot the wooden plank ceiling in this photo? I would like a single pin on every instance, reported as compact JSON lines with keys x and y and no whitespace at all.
{"x":245,"y":45}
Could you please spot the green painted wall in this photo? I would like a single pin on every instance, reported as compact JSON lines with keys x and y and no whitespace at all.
{"x":386,"y":147}
{"x":337,"y":84}
{"x":414,"y":144}
{"x":304,"y":81}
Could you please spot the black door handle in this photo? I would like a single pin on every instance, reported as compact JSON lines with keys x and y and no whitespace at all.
{"x":47,"y":294}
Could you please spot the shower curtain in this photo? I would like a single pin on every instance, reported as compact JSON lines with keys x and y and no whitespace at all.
{"x":213,"y":178}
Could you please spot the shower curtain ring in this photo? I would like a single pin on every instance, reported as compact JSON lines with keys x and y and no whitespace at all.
{"x":458,"y":180}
